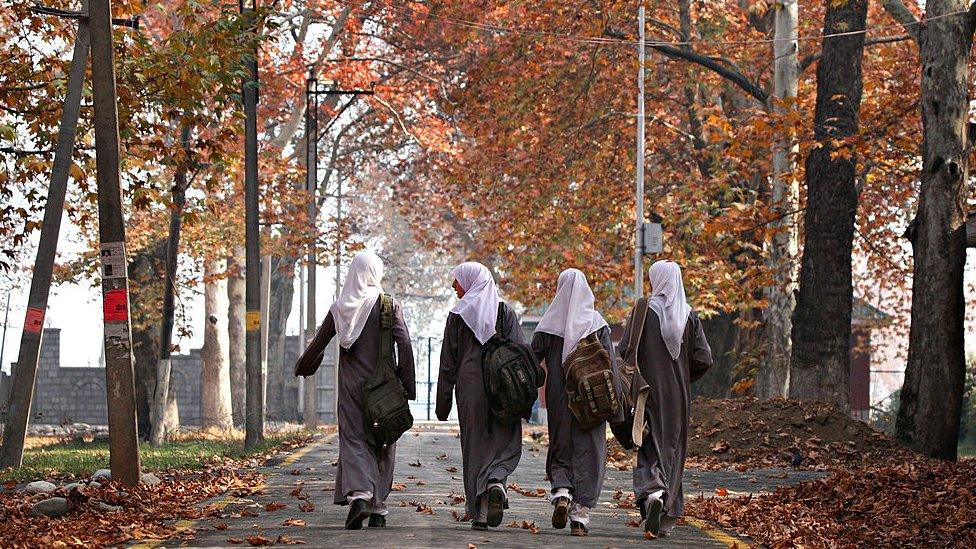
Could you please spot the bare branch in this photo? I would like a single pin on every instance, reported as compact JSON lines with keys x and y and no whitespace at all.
{"x":899,"y":12}
{"x":813,"y":58}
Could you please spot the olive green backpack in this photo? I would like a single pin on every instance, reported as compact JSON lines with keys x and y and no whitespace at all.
{"x":387,"y":410}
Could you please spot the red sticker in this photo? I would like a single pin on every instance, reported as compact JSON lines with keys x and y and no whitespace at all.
{"x":34,"y":321}
{"x":115,"y":306}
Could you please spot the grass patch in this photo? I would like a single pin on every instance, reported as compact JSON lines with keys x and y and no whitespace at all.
{"x":76,"y":459}
{"x":967,"y":448}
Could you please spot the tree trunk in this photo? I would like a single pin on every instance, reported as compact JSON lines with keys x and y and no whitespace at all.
{"x":931,"y":397}
{"x":215,"y":399}
{"x":820,"y":368}
{"x":280,"y":408}
{"x":145,"y":275}
{"x":235,"y":332}
{"x":773,"y":379}
{"x":165,"y":344}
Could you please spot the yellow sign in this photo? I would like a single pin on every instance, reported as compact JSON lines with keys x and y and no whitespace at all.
{"x":252,"y":321}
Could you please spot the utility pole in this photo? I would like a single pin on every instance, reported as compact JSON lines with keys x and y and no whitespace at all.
{"x":6,"y":321}
{"x":120,"y":380}
{"x":22,"y":378}
{"x":254,"y":419}
{"x":312,"y":122}
{"x":639,"y":225}
{"x":310,"y":401}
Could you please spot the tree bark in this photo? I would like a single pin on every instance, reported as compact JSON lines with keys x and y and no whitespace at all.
{"x":282,"y":293}
{"x":145,"y":288}
{"x":165,"y":343}
{"x":215,"y":399}
{"x":820,"y":367}
{"x":931,"y":397}
{"x":773,"y":378}
{"x":235,"y":332}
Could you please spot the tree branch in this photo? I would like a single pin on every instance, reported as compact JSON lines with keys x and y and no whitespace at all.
{"x":899,"y":12}
{"x":727,"y":73}
{"x":813,"y":58}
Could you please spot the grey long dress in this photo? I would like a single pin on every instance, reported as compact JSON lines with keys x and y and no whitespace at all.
{"x":576,"y":459}
{"x":360,"y":468}
{"x":486,"y":454}
{"x":661,"y":460}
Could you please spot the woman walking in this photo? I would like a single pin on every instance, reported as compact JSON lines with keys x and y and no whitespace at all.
{"x":576,"y":460}
{"x":365,"y":475}
{"x":671,"y":353}
{"x":490,"y":450}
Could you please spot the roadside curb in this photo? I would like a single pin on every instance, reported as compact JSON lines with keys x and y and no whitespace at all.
{"x":717,"y":533}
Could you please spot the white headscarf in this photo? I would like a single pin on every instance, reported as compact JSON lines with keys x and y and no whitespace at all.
{"x":479,"y":306}
{"x":669,"y":302}
{"x":359,"y":293}
{"x":571,"y":315}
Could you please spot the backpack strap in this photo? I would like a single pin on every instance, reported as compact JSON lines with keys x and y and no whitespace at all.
{"x":500,"y":318}
{"x":637,"y":320}
{"x":386,"y":334}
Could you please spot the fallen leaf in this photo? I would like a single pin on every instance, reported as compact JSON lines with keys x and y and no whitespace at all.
{"x":235,"y":541}
{"x":452,"y":469}
{"x":275,"y":506}
{"x":295,"y":522}
{"x":414,"y":463}
{"x":398,"y":487}
{"x":219,"y":525}
{"x":296,"y":472}
{"x":306,"y":506}
{"x":721,"y":492}
{"x":258,"y":540}
{"x":288,"y":540}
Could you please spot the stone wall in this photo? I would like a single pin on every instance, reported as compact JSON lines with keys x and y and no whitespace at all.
{"x":77,"y":395}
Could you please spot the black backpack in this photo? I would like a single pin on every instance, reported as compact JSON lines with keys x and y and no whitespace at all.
{"x":387,"y":410}
{"x":511,"y":374}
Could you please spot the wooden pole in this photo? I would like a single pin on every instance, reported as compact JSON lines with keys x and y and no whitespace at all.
{"x":22,"y":382}
{"x":120,"y":381}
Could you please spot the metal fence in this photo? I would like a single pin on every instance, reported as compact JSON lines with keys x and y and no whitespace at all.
{"x":427,"y":353}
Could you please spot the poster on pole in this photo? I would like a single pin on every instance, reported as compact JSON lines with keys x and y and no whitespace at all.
{"x":113,"y":260}
{"x":653,"y":238}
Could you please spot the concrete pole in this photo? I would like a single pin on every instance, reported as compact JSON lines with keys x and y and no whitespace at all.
{"x":254,"y":415}
{"x":310,"y":400}
{"x":638,"y":245}
{"x":22,"y":380}
{"x":119,"y":376}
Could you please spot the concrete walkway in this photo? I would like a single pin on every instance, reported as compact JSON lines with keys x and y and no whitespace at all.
{"x":434,"y":483}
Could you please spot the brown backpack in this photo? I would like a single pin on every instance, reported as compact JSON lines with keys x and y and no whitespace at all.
{"x":630,"y":433}
{"x":590,"y":383}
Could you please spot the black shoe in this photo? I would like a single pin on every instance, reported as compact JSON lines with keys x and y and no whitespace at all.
{"x":377,"y":520}
{"x":496,"y":506}
{"x":357,"y":514}
{"x":652,"y":524}
{"x":560,"y":513}
{"x":479,"y":526}
{"x":578,"y":529}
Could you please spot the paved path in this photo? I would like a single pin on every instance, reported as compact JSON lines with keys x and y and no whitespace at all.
{"x":433,"y":483}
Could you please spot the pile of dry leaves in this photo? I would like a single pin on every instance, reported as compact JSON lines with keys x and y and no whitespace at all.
{"x":750,"y":433}
{"x":924,"y":503}
{"x":746,"y":433}
{"x":146,"y":511}
{"x":143,"y":510}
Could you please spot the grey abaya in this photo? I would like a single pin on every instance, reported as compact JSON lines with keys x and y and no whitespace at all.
{"x":360,"y":468}
{"x":576,"y":459}
{"x":661,"y":459}
{"x":488,"y":453}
